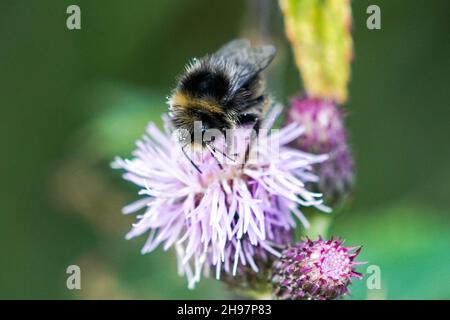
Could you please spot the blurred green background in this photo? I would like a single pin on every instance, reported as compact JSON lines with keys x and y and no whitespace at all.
{"x":72,"y":100}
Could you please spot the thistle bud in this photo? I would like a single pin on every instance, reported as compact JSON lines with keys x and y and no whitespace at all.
{"x":314,"y":270}
{"x":325,"y":134}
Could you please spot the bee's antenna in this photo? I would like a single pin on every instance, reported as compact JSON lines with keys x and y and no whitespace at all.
{"x":190,"y":160}
{"x":212,"y":150}
{"x":226,"y":155}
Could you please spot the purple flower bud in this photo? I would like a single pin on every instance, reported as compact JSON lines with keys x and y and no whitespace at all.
{"x":317,"y":270}
{"x":325,"y":134}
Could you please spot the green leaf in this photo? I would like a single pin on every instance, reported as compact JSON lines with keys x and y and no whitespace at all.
{"x":409,"y":243}
{"x":320,"y":35}
{"x":122,"y":119}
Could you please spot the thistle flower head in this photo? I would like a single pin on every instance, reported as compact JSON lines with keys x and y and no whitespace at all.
{"x":318,"y":270}
{"x":249,"y":282}
{"x":218,"y":218}
{"x":325,"y":134}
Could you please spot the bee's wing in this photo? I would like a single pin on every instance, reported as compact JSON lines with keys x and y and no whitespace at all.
{"x":231,"y":49}
{"x":248,"y":61}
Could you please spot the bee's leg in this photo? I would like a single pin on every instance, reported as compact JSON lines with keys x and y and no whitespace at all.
{"x":190,"y":160}
{"x":225,"y":154}
{"x":254,"y":134}
{"x":212,"y":150}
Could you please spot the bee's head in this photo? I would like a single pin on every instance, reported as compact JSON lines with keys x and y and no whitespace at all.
{"x":194,"y":118}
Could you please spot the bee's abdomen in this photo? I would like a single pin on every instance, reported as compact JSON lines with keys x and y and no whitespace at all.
{"x":205,"y":83}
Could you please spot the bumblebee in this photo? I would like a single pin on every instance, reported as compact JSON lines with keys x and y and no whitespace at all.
{"x":221,"y":91}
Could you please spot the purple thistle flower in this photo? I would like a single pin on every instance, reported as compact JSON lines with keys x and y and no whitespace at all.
{"x":220,"y":218}
{"x":317,"y":270}
{"x":325,"y":134}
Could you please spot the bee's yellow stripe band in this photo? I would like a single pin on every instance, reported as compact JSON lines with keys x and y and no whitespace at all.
{"x":186,"y":101}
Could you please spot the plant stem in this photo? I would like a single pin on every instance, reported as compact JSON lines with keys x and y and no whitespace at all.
{"x":320,"y":223}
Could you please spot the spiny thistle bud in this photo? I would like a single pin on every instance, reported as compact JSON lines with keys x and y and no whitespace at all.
{"x":325,"y":134}
{"x":314,"y":270}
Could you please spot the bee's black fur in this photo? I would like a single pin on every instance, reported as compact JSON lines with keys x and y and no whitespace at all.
{"x":205,"y":82}
{"x":210,"y":121}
